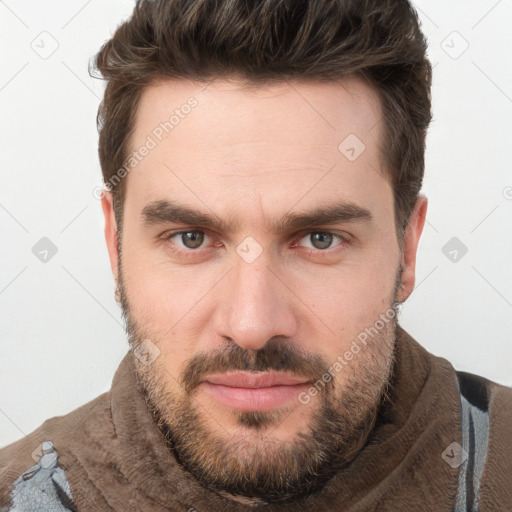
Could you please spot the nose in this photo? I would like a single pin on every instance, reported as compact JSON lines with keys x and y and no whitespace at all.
{"x":257,"y":304}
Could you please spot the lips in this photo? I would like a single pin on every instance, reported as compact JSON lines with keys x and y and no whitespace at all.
{"x":255,"y":379}
{"x":254,"y":391}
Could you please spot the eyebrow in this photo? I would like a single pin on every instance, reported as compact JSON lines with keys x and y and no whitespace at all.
{"x":165,"y":211}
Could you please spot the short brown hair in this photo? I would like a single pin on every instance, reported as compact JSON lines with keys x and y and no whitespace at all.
{"x":266,"y":41}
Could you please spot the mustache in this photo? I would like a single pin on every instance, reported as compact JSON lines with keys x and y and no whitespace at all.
{"x":276,"y":355}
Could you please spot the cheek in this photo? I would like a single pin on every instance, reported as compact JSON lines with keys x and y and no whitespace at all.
{"x":157,"y":291}
{"x":164,"y":303}
{"x":354,"y":300}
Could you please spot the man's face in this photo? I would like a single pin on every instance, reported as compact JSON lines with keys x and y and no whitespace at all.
{"x":258,"y":295}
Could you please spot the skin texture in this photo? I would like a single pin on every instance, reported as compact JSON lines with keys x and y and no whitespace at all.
{"x":254,"y":156}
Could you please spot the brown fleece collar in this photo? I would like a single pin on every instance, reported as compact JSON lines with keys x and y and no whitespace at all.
{"x":115,"y":458}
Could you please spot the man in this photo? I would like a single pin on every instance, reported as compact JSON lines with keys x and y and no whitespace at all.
{"x":263,"y":164}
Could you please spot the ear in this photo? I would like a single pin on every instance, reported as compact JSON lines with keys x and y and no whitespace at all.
{"x":111,"y":235}
{"x":410,"y":245}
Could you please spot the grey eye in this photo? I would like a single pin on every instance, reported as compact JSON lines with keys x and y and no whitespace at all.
{"x":192,"y":239}
{"x":320,"y":239}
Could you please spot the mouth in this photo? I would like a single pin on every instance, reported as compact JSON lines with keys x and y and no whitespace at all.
{"x":254,"y":391}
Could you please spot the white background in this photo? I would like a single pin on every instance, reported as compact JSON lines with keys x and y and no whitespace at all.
{"x":61,"y":335}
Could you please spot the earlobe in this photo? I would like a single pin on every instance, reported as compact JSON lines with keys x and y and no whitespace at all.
{"x":412,"y":236}
{"x":111,"y":233}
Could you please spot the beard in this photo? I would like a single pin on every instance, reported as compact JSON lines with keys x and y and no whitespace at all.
{"x":249,"y":464}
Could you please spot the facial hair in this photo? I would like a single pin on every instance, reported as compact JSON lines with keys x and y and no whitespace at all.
{"x":257,"y":467}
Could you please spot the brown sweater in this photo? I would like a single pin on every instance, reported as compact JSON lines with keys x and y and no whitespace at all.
{"x":115,"y":458}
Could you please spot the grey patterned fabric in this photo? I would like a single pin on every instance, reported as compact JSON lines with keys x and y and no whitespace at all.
{"x":43,"y":487}
{"x":475,"y":438}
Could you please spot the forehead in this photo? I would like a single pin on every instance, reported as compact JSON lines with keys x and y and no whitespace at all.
{"x":266,"y":146}
{"x":227,"y":112}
